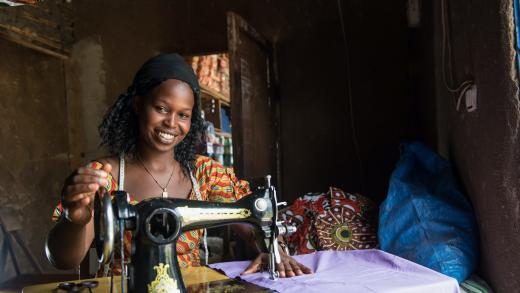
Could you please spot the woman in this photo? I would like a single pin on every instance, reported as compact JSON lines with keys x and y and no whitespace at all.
{"x":151,"y":131}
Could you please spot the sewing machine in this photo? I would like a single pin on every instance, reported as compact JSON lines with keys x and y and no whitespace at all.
{"x":157,"y":223}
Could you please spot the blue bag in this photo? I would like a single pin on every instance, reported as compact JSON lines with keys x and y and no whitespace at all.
{"x":426,"y":218}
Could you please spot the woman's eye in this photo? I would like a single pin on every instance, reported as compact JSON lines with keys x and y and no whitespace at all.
{"x":184,"y":116}
{"x":161,"y":109}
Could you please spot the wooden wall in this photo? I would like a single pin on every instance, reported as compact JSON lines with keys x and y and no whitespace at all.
{"x":484,"y":144}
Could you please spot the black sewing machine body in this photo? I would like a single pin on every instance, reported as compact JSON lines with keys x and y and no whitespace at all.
{"x":157,"y":223}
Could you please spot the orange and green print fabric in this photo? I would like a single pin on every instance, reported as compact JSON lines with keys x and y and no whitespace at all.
{"x":216,"y":184}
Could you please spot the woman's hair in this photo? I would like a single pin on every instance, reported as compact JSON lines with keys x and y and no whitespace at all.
{"x":119,"y":130}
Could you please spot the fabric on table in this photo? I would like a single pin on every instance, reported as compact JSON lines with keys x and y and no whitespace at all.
{"x":351,"y":271}
{"x":216,"y":184}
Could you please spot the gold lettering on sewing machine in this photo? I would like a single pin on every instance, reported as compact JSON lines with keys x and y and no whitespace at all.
{"x":191,"y":215}
{"x":163,"y":282}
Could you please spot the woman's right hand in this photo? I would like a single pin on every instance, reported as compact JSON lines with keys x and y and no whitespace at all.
{"x":79,"y":191}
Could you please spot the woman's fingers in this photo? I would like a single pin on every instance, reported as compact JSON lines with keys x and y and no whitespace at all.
{"x":298,"y":268}
{"x":107,"y":168}
{"x":86,"y":201}
{"x":92,"y":172}
{"x":79,"y":179}
{"x":79,"y":191}
{"x":289,"y":267}
{"x":254,"y":266}
{"x":282,"y":269}
{"x":85,"y":181}
{"x":305,"y":269}
{"x":85,"y":175}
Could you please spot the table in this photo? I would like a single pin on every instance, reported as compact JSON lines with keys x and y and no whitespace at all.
{"x":369,"y":270}
{"x":351,"y":271}
{"x":191,"y":276}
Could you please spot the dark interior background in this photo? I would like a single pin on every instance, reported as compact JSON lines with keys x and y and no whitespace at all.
{"x":383,"y":88}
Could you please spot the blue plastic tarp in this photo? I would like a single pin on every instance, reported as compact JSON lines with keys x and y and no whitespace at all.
{"x":426,"y":218}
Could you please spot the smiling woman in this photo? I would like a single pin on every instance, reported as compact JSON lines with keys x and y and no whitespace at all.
{"x":151,"y":133}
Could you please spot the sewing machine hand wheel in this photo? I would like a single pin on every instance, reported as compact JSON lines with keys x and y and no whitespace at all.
{"x":104,"y":226}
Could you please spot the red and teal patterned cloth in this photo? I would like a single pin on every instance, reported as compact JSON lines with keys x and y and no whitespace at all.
{"x":334,"y":220}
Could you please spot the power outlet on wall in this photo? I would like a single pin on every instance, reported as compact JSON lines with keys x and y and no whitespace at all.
{"x":471,"y":98}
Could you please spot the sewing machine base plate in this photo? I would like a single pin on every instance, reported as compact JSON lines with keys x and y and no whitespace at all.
{"x":229,"y":285}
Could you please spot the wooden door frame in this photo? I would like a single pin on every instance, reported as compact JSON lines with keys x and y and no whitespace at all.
{"x":235,"y":21}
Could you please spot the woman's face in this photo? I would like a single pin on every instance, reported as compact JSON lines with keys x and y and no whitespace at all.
{"x":165,"y":115}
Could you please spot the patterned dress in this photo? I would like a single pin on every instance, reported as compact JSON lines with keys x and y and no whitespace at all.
{"x":216,"y":184}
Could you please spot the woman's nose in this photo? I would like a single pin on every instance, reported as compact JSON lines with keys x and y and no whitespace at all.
{"x":171,"y":120}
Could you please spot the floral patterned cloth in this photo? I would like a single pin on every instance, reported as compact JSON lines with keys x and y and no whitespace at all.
{"x":335,"y":220}
{"x":216,"y":184}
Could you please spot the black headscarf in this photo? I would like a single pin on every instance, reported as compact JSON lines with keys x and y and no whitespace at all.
{"x":168,"y":66}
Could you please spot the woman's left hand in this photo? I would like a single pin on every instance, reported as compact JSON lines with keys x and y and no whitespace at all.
{"x":288,"y":267}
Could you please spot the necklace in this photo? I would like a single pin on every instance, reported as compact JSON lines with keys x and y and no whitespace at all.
{"x":164,"y":192}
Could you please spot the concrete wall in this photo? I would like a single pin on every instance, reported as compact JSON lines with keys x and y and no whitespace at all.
{"x":34,"y":143}
{"x":484,"y":144}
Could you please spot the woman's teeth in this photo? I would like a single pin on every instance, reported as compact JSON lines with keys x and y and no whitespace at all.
{"x":165,"y":136}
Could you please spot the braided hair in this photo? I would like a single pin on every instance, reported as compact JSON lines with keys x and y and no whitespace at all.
{"x":119,"y":130}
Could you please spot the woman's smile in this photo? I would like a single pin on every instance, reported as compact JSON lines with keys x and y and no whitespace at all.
{"x":166,"y":137}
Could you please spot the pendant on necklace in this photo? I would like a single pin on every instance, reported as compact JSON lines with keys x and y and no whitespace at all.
{"x":164,"y":194}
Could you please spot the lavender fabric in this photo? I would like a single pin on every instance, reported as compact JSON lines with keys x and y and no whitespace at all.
{"x":368,"y":270}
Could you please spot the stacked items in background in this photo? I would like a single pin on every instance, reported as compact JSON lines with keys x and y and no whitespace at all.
{"x":217,"y":145}
{"x":335,"y":220}
{"x":212,"y":71}
{"x":221,"y":150}
{"x":213,"y":74}
{"x":228,"y":151}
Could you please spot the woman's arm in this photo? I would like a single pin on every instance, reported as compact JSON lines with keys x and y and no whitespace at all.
{"x":69,"y":240}
{"x":68,"y":243}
